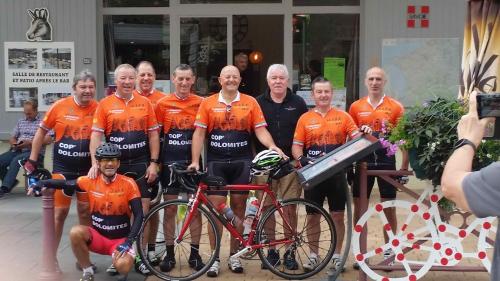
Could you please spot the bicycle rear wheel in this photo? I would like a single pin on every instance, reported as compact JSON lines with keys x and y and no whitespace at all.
{"x":314,"y":233}
{"x":196,"y":234}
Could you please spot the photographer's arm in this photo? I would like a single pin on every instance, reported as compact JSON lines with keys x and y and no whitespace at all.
{"x":459,"y":165}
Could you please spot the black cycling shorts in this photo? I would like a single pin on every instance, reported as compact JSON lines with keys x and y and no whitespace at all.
{"x":387,"y":190}
{"x":333,"y":189}
{"x":138,"y":171}
{"x":233,"y":172}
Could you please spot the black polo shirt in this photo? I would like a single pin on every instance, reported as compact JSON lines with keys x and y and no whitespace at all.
{"x":281,"y":119}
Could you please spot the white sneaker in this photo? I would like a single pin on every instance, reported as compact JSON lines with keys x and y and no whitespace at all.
{"x":312,"y":263}
{"x":336,"y":262}
{"x":111,"y":270}
{"x":214,"y":269}
{"x":235,"y":265}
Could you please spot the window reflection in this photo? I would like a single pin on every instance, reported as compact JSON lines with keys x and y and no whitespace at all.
{"x":326,"y":2}
{"x":133,"y":38}
{"x":228,"y":1}
{"x":204,"y":47}
{"x":135,"y":3}
{"x":333,"y":55}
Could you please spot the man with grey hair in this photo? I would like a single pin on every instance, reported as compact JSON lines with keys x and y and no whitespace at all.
{"x":70,"y":119}
{"x":282,"y":110}
{"x":128,"y":120}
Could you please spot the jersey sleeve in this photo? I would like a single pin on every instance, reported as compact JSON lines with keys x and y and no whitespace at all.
{"x":49,"y":120}
{"x":299,"y":137}
{"x":98,"y":123}
{"x":152,"y":122}
{"x":133,"y":190}
{"x":160,"y":113}
{"x":83,"y":183}
{"x":352,"y":113}
{"x":258,"y":119}
{"x":349,"y":126}
{"x":202,"y":115}
{"x":398,"y":112}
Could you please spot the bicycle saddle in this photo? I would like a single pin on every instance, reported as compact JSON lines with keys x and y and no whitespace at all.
{"x":214,"y":181}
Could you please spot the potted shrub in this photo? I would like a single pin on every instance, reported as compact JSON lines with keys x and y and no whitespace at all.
{"x":429,"y":133}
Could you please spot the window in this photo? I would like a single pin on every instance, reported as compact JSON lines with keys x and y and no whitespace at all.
{"x":134,"y":38}
{"x":332,"y":54}
{"x":228,"y":1}
{"x":204,"y":47}
{"x":135,"y":3}
{"x":326,"y":2}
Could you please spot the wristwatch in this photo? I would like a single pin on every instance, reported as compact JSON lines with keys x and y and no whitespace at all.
{"x":462,"y":142}
{"x":153,"y":160}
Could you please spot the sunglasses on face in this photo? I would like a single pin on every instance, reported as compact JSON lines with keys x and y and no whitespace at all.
{"x":106,"y":160}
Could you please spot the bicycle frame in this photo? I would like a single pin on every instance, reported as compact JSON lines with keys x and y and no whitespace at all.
{"x":249,"y":245}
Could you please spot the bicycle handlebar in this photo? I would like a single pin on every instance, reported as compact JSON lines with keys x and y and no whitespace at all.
{"x":180,"y":173}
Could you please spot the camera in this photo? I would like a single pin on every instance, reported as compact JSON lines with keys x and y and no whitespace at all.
{"x":488,"y":105}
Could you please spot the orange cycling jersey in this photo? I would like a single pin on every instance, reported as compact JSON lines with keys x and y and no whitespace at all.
{"x":126,"y":124}
{"x":109,"y":204}
{"x":176,"y":117}
{"x":229,"y":126}
{"x":154,"y":96}
{"x":388,"y":111}
{"x":71,"y":124}
{"x":318,"y":134}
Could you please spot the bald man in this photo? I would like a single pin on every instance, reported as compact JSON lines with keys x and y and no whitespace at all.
{"x":374,"y":110}
{"x":228,"y":120}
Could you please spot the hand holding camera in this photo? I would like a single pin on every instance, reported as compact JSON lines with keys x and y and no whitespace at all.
{"x":488,"y":107}
{"x":470,"y":127}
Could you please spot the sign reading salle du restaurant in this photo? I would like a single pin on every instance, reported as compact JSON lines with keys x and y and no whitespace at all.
{"x":39,"y":69}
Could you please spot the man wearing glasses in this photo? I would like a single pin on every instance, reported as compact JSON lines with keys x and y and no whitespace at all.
{"x":228,"y":119}
{"x":113,"y":199}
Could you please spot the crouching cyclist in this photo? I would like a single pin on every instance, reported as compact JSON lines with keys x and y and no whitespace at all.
{"x":112,"y":199}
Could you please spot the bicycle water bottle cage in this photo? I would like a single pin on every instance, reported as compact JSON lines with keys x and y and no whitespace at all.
{"x":214,"y":182}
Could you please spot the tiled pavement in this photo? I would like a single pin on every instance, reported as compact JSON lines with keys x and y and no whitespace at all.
{"x":20,"y":248}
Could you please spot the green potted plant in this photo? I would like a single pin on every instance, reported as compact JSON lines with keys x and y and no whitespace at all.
{"x":429,"y":133}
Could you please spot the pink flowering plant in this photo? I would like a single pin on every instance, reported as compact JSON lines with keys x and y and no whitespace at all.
{"x":391,"y":147}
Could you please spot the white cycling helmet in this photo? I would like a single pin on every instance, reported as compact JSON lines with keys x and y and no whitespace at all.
{"x":266,"y":160}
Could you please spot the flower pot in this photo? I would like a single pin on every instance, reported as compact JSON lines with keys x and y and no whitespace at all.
{"x":413,"y":157}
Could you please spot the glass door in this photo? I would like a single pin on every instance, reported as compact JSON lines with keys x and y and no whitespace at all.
{"x":204,"y":46}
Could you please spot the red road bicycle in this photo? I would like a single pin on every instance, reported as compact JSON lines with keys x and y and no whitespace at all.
{"x":289,"y":234}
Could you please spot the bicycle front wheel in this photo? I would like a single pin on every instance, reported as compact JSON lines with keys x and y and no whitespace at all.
{"x":185,"y":264}
{"x":298,"y":244}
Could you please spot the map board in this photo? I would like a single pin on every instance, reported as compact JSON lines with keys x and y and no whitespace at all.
{"x":421,"y":69}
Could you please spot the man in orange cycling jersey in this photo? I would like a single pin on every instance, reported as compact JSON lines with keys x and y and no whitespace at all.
{"x":318,"y":132}
{"x":71,"y":120}
{"x":146,"y":77}
{"x":228,"y":119}
{"x":376,"y":110}
{"x":127,"y":119}
{"x":113,"y":198}
{"x":176,"y":114}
